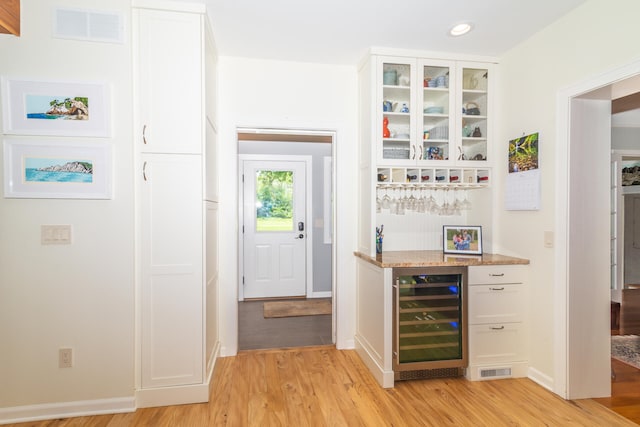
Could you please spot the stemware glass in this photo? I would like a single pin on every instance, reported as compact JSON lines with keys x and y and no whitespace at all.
{"x":466,"y":204}
{"x":386,"y":200}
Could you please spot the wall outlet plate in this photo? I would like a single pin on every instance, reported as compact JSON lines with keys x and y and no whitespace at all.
{"x":65,"y":358}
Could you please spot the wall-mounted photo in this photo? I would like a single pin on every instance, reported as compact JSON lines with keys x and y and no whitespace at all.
{"x":523,"y":153}
{"x":55,"y":108}
{"x":458,"y":239}
{"x":68,"y":170}
{"x":630,"y":172}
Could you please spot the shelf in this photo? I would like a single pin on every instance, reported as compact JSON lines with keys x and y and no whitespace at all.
{"x":454,"y":177}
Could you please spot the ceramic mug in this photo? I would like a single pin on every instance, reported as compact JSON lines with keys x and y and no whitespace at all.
{"x":390,"y":77}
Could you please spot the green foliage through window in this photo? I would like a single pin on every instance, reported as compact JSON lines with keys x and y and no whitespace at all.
{"x":274,"y":199}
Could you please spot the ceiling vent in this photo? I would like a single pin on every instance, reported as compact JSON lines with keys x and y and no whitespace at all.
{"x":88,"y":25}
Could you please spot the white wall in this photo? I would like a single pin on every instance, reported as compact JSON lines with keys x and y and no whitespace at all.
{"x":625,"y":138}
{"x":79,"y":295}
{"x":279,"y":94}
{"x":596,"y":37}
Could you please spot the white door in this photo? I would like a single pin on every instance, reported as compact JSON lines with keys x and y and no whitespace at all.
{"x":275,"y":229}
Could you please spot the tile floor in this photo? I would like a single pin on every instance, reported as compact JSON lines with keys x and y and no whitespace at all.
{"x":256,"y":332}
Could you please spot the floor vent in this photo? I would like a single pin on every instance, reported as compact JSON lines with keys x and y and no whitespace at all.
{"x":495,"y":373}
{"x":429,"y":373}
{"x":88,"y":25}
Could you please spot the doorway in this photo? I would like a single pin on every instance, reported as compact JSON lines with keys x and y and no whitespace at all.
{"x":583,"y":296}
{"x":273,"y":230}
{"x":307,"y":231}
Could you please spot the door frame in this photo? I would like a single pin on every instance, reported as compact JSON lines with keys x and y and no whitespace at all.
{"x":567,"y":308}
{"x":308,"y":211}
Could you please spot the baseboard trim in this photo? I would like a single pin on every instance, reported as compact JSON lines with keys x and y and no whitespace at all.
{"x":81,"y":408}
{"x":175,"y":395}
{"x":323,"y":294}
{"x":541,"y":379}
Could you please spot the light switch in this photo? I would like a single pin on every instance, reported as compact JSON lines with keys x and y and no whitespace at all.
{"x":55,"y":234}
{"x":548,"y":239}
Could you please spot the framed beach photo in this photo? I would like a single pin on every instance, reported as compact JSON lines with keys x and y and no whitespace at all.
{"x":57,"y":170}
{"x":55,"y":108}
{"x":462,"y":239}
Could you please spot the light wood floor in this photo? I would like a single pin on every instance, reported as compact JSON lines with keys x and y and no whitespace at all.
{"x":322,"y":386}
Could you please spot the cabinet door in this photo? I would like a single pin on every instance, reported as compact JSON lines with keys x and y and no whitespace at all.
{"x":171,"y":251}
{"x":395,"y":86}
{"x":168,"y":68}
{"x":436,"y":106}
{"x":473,"y":130}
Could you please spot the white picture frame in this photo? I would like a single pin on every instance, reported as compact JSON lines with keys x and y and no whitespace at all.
{"x":38,"y":169}
{"x":32,"y":107}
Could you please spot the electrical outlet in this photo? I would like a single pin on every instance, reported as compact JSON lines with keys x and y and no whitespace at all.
{"x":65,"y":358}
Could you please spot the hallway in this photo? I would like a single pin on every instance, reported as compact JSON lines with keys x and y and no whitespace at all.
{"x":256,"y":332}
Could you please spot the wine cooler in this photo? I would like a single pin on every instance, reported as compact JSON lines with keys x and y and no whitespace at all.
{"x":429,"y":331}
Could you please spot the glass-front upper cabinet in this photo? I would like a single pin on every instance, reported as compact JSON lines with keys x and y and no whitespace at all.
{"x":435,"y":101}
{"x":395,"y":102}
{"x":474,"y":130}
{"x":432,"y":112}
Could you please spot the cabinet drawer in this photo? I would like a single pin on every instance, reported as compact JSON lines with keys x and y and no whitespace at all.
{"x":496,"y":343}
{"x":496,"y":274}
{"x":496,"y":303}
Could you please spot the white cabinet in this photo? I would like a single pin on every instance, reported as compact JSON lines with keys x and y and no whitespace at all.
{"x":497,"y":322}
{"x":171,"y":248}
{"x":168,"y":50}
{"x":175,"y":147}
{"x":431,"y":112}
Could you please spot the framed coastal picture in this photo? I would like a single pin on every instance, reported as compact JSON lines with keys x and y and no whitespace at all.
{"x":462,"y":239}
{"x":57,"y":170}
{"x":55,"y":108}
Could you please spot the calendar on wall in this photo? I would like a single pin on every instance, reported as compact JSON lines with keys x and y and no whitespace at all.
{"x":522,"y":191}
{"x":522,"y":187}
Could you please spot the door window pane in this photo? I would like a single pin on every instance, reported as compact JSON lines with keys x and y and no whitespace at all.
{"x":274,"y":200}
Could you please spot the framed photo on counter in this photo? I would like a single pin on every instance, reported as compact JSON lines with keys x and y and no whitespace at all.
{"x":462,"y":239}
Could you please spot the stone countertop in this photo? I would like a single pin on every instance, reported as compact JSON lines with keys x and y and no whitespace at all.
{"x":436,"y":259}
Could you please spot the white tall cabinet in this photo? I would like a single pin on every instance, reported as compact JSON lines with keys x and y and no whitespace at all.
{"x":174,"y":140}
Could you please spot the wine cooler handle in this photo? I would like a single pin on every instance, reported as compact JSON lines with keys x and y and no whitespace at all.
{"x":396,"y":321}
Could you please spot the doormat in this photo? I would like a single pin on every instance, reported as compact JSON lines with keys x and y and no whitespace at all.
{"x":626,"y":348}
{"x":297,"y":307}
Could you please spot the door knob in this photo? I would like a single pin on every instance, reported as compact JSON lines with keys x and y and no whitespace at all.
{"x":300,"y":236}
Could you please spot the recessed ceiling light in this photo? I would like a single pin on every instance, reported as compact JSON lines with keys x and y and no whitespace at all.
{"x":460,"y":29}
